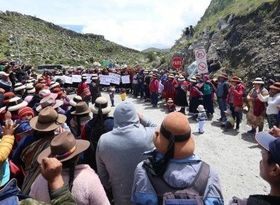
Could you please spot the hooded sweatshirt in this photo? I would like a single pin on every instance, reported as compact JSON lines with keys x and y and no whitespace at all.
{"x":120,"y":150}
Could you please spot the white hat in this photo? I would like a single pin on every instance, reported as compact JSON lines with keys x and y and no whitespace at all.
{"x":30,"y":88}
{"x":49,"y":101}
{"x":54,"y":84}
{"x":19,"y":86}
{"x":258,"y":81}
{"x":94,"y":76}
{"x":200,"y":108}
{"x":4,"y":73}
{"x":46,"y":92}
{"x":73,"y":102}
{"x":102,"y":103}
{"x":16,"y":103}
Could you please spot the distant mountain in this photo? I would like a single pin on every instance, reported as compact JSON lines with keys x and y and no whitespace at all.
{"x":35,"y":41}
{"x":152,"y":49}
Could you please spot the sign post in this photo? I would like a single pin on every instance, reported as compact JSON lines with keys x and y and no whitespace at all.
{"x":201,"y":60}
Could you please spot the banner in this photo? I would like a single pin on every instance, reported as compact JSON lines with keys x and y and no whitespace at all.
{"x":76,"y":78}
{"x":56,"y":77}
{"x":115,"y":78}
{"x":67,"y":79}
{"x":125,"y":79}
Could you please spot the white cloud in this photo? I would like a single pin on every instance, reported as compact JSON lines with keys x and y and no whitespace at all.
{"x":134,"y":23}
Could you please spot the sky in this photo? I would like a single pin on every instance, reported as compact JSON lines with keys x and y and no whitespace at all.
{"x":137,"y":24}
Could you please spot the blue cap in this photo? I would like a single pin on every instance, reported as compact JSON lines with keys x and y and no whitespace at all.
{"x":4,"y":173}
{"x":271,"y":144}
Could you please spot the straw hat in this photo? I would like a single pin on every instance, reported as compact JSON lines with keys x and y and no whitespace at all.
{"x":200,"y":108}
{"x":258,"y":81}
{"x":101,"y":103}
{"x":193,"y":79}
{"x":16,"y":103}
{"x":47,"y":120}
{"x":46,"y":93}
{"x":75,"y":100}
{"x":19,"y":87}
{"x":54,"y":85}
{"x":49,"y":101}
{"x":7,"y":97}
{"x":81,"y":108}
{"x":64,"y":147}
{"x":177,"y":126}
{"x":275,"y":86}
{"x":235,"y":79}
{"x":181,"y":78}
{"x":171,"y":76}
{"x":30,"y":89}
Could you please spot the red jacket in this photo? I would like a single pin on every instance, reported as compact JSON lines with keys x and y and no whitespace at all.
{"x":154,"y":85}
{"x":238,"y":93}
{"x":81,"y":87}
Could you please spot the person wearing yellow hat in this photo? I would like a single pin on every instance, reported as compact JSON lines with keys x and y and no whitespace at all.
{"x":174,"y":164}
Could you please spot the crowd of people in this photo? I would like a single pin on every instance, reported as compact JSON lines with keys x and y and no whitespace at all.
{"x":60,"y":150}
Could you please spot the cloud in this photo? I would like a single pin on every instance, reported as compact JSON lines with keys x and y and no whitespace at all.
{"x":137,"y":24}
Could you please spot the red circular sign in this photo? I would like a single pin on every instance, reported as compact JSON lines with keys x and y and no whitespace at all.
{"x":177,"y":62}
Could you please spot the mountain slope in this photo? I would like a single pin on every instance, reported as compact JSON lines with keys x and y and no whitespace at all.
{"x":36,"y":42}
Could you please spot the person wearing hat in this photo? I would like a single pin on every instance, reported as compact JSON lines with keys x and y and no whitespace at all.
{"x":147,"y":81}
{"x":235,"y":99}
{"x":15,"y":104}
{"x":120,"y":150}
{"x":94,"y":87}
{"x":44,"y":125}
{"x":5,"y":82}
{"x":222,"y":92}
{"x":83,"y":182}
{"x":36,"y":97}
{"x":273,"y":102}
{"x":112,"y":91}
{"x":19,"y":89}
{"x":29,"y":92}
{"x":140,"y":84}
{"x":181,"y":94}
{"x":175,"y":164}
{"x":169,"y":87}
{"x":196,"y":96}
{"x":269,"y":171}
{"x":100,"y":124}
{"x":153,"y":88}
{"x":50,"y":169}
{"x":201,"y":118}
{"x":170,"y":105}
{"x":80,"y":117}
{"x":256,"y":112}
{"x":208,"y":90}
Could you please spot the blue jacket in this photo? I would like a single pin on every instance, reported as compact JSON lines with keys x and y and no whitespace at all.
{"x":180,"y":173}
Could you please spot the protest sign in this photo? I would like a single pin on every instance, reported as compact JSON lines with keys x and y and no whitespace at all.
{"x":125,"y":79}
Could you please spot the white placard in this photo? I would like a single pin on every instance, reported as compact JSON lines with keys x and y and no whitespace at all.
{"x":125,"y":79}
{"x":56,"y":77}
{"x":105,"y":79}
{"x":67,"y":79}
{"x":115,"y":78}
{"x":76,"y":78}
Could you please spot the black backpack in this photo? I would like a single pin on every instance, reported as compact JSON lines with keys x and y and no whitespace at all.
{"x":190,"y":195}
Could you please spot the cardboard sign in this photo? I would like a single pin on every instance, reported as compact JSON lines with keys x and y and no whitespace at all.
{"x":76,"y":78}
{"x":105,"y":79}
{"x":115,"y":78}
{"x":125,"y":79}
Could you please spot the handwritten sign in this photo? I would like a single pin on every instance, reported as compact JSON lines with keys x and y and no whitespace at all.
{"x":76,"y":78}
{"x":125,"y":79}
{"x":105,"y":79}
{"x":115,"y":78}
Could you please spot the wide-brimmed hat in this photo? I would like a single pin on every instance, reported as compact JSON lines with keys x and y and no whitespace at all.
{"x":16,"y":103}
{"x":171,"y":76}
{"x":235,"y":79}
{"x":54,"y":85}
{"x":223,"y":75}
{"x":275,"y":86}
{"x":2,"y":73}
{"x":101,"y":103}
{"x":181,"y":78}
{"x":258,"y":81}
{"x":30,"y":89}
{"x":193,"y":79}
{"x":47,"y":120}
{"x":19,"y":87}
{"x":73,"y":102}
{"x":200,"y":108}
{"x":64,"y":147}
{"x":49,"y":101}
{"x":8,"y":96}
{"x":94,"y":76}
{"x":184,"y":144}
{"x":47,"y":93}
{"x":81,"y":108}
{"x":170,"y":100}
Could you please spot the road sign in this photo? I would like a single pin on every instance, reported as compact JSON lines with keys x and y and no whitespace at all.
{"x":177,"y":62}
{"x":201,"y":60}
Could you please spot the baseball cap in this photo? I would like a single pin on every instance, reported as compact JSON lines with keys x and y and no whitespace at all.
{"x":270,"y":143}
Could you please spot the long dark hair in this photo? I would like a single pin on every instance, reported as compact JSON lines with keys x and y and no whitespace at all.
{"x":79,"y":123}
{"x":71,"y":164}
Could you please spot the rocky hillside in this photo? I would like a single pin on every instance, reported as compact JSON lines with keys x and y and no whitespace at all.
{"x":35,"y":41}
{"x":243,"y":34}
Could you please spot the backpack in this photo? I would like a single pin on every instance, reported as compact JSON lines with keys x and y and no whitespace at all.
{"x":207,"y":89}
{"x":190,"y":195}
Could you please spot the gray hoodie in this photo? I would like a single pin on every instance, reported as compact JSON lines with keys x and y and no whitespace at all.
{"x":120,"y":150}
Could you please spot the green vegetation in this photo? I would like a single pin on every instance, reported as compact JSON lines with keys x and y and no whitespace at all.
{"x":36,"y":42}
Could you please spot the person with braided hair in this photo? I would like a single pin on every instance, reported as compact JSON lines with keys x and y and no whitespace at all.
{"x":173,"y":166}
